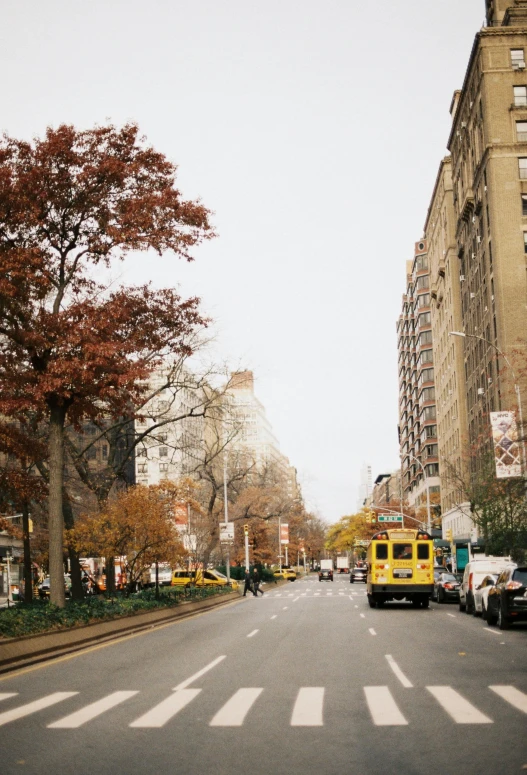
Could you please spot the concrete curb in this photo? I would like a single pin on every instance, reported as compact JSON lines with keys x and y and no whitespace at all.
{"x":31,"y":649}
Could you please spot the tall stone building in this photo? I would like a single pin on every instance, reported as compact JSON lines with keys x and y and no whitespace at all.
{"x":488,"y":145}
{"x":449,"y":371}
{"x":417,"y":399}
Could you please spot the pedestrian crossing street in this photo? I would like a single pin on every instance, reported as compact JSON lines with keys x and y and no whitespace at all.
{"x":308,"y":709}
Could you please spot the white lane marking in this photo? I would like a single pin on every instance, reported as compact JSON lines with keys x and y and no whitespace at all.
{"x":308,"y":708}
{"x":296,"y":598}
{"x":251,"y":634}
{"x":362,"y":616}
{"x":184,"y":684}
{"x":33,"y":707}
{"x":158,"y":716}
{"x":284,"y":608}
{"x":291,"y":594}
{"x":457,"y":706}
{"x":274,"y":616}
{"x":452,"y":615}
{"x":372,"y":631}
{"x":303,"y":594}
{"x":384,"y":711}
{"x":512,"y":695}
{"x":317,"y":594}
{"x":398,"y":672}
{"x":233,"y":713}
{"x":278,"y":594}
{"x":494,"y":632}
{"x":356,"y":606}
{"x":6,"y":695}
{"x":80,"y":717}
{"x":329,"y":593}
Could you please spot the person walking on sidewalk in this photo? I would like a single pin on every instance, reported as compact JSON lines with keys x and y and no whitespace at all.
{"x":256,"y":583}
{"x":247,"y":586}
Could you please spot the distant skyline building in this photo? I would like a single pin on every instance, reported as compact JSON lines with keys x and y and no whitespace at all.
{"x":365,"y":486}
{"x":417,"y":398}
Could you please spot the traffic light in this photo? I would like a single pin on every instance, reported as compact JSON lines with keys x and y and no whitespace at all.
{"x":373,"y":517}
{"x":449,"y":535}
{"x":246,"y":530}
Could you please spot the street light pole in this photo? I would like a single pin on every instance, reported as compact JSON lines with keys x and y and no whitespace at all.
{"x":226,"y":512}
{"x":516,"y":386}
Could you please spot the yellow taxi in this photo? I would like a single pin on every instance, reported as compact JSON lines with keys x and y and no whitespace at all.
{"x":285,"y":573}
{"x":200,"y":578}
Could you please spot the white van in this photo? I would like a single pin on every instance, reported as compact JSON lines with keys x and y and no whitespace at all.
{"x":474,"y":573}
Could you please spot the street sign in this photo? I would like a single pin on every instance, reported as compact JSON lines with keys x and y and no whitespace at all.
{"x":361,"y":542}
{"x":390,"y":518}
{"x":226,"y":532}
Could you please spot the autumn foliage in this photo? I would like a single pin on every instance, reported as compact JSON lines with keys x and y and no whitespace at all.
{"x":71,"y":348}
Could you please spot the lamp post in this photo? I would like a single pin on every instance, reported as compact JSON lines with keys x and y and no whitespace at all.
{"x":516,"y":386}
{"x":428,"y":520}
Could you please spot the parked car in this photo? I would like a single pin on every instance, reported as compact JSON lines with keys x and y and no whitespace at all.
{"x":326,"y":574}
{"x":358,"y":574}
{"x":474,"y":573}
{"x":44,"y":588}
{"x":507,"y":599}
{"x":481,"y":594}
{"x":446,"y":587}
{"x":164,"y":575}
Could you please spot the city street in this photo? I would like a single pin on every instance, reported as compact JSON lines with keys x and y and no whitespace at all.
{"x":306,"y":679}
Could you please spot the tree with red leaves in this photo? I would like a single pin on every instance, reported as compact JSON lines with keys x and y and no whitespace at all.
{"x":70,"y":348}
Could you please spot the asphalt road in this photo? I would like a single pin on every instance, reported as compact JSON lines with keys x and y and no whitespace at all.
{"x":307,"y":679}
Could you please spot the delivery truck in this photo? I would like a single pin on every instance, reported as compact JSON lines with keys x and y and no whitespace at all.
{"x":342,"y":564}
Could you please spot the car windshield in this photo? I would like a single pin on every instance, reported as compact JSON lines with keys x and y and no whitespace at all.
{"x":520,"y":574}
{"x":448,"y":577}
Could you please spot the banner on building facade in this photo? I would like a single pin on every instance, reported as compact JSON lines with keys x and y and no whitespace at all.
{"x":507,"y":453}
{"x":284,"y":534}
{"x":181,"y":515}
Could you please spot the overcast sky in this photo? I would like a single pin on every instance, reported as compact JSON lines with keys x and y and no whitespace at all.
{"x":314,"y":130}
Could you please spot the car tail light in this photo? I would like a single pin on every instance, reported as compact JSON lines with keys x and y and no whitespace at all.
{"x":448,"y":585}
{"x":470,"y":580}
{"x":513,"y":585}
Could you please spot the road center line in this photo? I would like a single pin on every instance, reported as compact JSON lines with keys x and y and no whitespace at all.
{"x":372,"y":631}
{"x":184,"y":684}
{"x":251,"y":634}
{"x":398,"y":672}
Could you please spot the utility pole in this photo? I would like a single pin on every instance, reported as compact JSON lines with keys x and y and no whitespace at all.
{"x":226,"y":513}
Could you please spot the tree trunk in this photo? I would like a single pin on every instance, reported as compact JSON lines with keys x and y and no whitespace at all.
{"x":77,"y":592}
{"x":110,"y":575}
{"x":55,"y":516}
{"x":28,"y":575}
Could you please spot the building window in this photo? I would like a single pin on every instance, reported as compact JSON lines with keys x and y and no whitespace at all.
{"x":91,"y":453}
{"x":522,"y":165}
{"x":520,"y":95}
{"x":141,"y":452}
{"x":163,"y":451}
{"x":425,"y":319}
{"x":163,"y":467}
{"x":517,"y":58}
{"x":432,"y":469}
{"x":521,"y":131}
{"x":425,"y":338}
{"x":104,"y":451}
{"x":428,"y":394}
{"x":162,"y":437}
{"x":525,"y":241}
{"x":142,"y":468}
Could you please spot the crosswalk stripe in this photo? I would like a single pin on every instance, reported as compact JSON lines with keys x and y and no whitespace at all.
{"x":308,"y":708}
{"x":460,"y":709}
{"x":6,"y":695}
{"x":383,"y":708}
{"x":80,"y":717}
{"x":165,"y":710}
{"x":512,"y":695}
{"x":233,"y":713}
{"x":33,"y":707}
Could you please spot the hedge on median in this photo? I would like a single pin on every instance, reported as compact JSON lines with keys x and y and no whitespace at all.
{"x":40,"y":616}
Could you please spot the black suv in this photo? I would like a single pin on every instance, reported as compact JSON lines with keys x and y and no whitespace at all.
{"x":358,"y":574}
{"x":325,"y":575}
{"x":507,"y":601}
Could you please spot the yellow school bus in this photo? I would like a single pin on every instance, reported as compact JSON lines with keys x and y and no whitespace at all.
{"x":400,"y":567}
